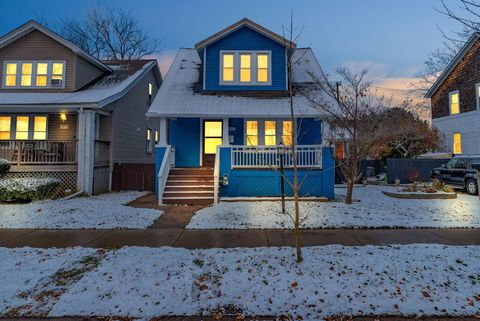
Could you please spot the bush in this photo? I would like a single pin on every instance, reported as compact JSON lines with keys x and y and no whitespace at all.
{"x":27,"y":189}
{"x":4,"y":166}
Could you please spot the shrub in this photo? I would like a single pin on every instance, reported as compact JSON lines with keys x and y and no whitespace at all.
{"x":4,"y":166}
{"x":27,"y":189}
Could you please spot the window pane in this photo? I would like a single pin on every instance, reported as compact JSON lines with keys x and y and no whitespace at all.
{"x":5,"y":125}
{"x":262,"y":61}
{"x":41,"y":81}
{"x":213,"y":129}
{"x":227,"y":74}
{"x":262,"y":75}
{"x":40,"y":124}
{"x":22,"y":127}
{"x":26,"y":75}
{"x":10,"y":80}
{"x":252,"y":127}
{"x":42,"y":68}
{"x":210,"y":146}
{"x":457,"y":143}
{"x":245,"y":75}
{"x":270,"y":127}
{"x":287,"y":132}
{"x":40,"y":135}
{"x":228,"y":61}
{"x":270,"y":140}
{"x":252,"y":140}
{"x":245,"y":71}
{"x":454,"y":103}
{"x":150,"y":88}
{"x":57,"y":69}
{"x":27,"y":69}
{"x":149,"y":134}
{"x":11,"y":69}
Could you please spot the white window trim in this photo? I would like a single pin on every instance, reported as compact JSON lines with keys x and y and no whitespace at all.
{"x":261,"y":129}
{"x":253,"y":65}
{"x":34,"y":74}
{"x":450,"y":101}
{"x":477,"y":88}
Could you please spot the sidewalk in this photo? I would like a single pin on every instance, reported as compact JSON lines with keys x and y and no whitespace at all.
{"x":178,"y":237}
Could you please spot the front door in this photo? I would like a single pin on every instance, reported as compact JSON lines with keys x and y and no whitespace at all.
{"x":212,"y":137}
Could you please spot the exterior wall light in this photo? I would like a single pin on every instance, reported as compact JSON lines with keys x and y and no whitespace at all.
{"x":225,"y":180}
{"x":63,"y":117}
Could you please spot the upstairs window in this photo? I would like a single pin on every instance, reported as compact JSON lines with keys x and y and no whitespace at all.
{"x":457,"y":143}
{"x":245,"y":68}
{"x":454,"y":99}
{"x":34,"y":74}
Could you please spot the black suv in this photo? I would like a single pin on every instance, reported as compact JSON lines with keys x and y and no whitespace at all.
{"x":458,"y":172}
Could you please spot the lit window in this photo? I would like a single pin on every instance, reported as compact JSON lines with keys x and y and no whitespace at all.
{"x":11,"y":75}
{"x":57,"y":74}
{"x":26,"y":75}
{"x":42,"y":70}
{"x":150,"y":89}
{"x":212,"y":131}
{"x":227,"y":67}
{"x":156,"y":137}
{"x":340,"y":150}
{"x":149,"y":140}
{"x":287,"y":131}
{"x":262,"y":68}
{"x":454,"y":103}
{"x":270,"y":133}
{"x":40,"y":127}
{"x":22,"y":127}
{"x":252,"y":133}
{"x":245,"y":68}
{"x":457,"y":143}
{"x":5,"y":126}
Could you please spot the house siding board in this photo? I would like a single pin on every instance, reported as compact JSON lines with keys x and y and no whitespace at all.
{"x":62,"y":130}
{"x":85,"y":73}
{"x":309,"y":131}
{"x":129,"y":123}
{"x":245,"y":39}
{"x":38,"y":46}
{"x":463,"y":78}
{"x":184,"y":134}
{"x":467,"y":124}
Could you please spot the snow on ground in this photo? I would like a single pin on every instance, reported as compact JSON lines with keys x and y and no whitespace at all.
{"x":332,"y":280}
{"x":24,"y":271}
{"x":374,"y":210}
{"x":103,"y":211}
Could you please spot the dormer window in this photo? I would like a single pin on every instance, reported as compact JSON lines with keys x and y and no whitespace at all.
{"x":34,"y":74}
{"x":245,"y":68}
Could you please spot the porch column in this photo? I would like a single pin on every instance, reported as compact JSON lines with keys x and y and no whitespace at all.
{"x":225,"y":131}
{"x":162,"y":141}
{"x":86,"y":153}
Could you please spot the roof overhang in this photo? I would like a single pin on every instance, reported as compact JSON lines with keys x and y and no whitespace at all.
{"x":33,"y":25}
{"x":245,"y":22}
{"x":468,"y":45}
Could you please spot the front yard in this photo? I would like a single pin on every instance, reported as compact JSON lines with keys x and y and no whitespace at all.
{"x":145,"y":282}
{"x":105,"y":211}
{"x":375,"y":210}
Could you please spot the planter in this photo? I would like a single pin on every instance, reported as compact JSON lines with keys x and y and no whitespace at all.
{"x":421,"y":195}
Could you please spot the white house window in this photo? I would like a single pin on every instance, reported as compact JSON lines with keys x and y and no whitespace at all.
{"x":270,"y":132}
{"x":287,"y":130}
{"x":227,"y":67}
{"x":156,"y":137}
{"x":5,"y":127}
{"x":457,"y":143}
{"x":150,"y":89}
{"x":149,"y":140}
{"x":40,"y":127}
{"x":22,"y":126}
{"x":245,"y":68}
{"x":252,"y":132}
{"x":11,"y":75}
{"x":34,"y":74}
{"x":454,"y":100}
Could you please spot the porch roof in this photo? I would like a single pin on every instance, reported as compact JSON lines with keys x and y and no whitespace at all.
{"x":103,"y":92}
{"x":178,"y":96}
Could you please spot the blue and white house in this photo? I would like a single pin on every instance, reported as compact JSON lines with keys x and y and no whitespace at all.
{"x":225,"y":120}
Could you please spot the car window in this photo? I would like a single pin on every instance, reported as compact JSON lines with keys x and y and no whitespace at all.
{"x":461,"y":164}
{"x":452,"y":163}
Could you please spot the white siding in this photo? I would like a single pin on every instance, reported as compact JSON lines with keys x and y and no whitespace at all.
{"x":467,"y":124}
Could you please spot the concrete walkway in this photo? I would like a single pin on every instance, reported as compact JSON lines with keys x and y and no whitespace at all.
{"x":178,"y":237}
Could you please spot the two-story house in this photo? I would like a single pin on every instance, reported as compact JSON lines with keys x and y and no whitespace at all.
{"x":225,"y":120}
{"x":455,"y":100}
{"x":68,"y":115}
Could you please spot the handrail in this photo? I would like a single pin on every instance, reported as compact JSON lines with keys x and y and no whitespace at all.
{"x":216,"y":176}
{"x":163,"y":172}
{"x":45,"y":152}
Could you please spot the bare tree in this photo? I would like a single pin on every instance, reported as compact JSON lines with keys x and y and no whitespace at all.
{"x":112,"y":34}
{"x":351,"y":113}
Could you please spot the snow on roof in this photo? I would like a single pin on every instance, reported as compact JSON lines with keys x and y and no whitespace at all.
{"x":106,"y":90}
{"x":178,"y":98}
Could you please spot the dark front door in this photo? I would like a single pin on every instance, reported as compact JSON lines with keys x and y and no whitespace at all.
{"x":212,"y":137}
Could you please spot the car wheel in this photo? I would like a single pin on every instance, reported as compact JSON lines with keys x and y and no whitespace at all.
{"x":471,"y":187}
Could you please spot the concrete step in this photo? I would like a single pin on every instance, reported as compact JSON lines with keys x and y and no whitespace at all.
{"x":190,"y":177}
{"x":190,"y":172}
{"x":189,"y":182}
{"x":189,"y":188}
{"x":188,"y":194}
{"x":188,"y":200}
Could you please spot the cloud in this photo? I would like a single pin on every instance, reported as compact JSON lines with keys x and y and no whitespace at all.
{"x":164,"y":59}
{"x":375,"y":70}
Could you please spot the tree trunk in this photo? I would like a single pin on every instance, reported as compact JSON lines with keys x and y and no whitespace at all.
{"x":349,"y":196}
{"x":298,"y":243}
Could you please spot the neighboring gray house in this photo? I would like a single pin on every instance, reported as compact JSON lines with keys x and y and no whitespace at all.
{"x":65,"y":114}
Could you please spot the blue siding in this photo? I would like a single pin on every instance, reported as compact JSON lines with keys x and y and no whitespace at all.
{"x":184,"y":134}
{"x":245,"y":39}
{"x":310,"y":131}
{"x":267,"y":182}
{"x":236,"y":130}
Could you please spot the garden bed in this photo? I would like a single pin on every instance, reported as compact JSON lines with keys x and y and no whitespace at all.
{"x":421,"y":195}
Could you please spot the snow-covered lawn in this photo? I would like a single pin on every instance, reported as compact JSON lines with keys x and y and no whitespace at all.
{"x":104,"y":211}
{"x":146,"y":282}
{"x":374,"y":210}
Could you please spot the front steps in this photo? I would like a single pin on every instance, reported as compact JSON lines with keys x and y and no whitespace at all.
{"x":189,"y":186}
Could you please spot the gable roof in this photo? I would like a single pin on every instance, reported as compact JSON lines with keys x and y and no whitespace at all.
{"x":245,"y":22}
{"x":31,"y":25}
{"x":125,"y":74}
{"x":458,"y":57}
{"x":177,"y":96}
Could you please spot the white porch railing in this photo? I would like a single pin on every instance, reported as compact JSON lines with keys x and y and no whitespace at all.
{"x":216,"y":176}
{"x":308,"y":156}
{"x":164,"y":171}
{"x":39,"y":152}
